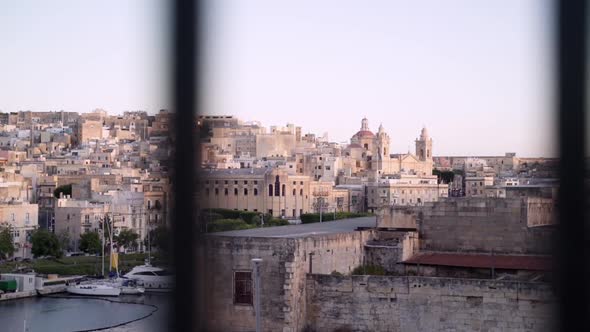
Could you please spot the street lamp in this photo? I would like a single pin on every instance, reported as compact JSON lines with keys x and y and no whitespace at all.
{"x":256,"y":267}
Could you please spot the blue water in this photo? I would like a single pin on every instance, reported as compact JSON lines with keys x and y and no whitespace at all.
{"x":79,"y":314}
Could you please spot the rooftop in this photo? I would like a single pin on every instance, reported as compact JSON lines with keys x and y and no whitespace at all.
{"x":508,"y":262}
{"x":304,"y":230}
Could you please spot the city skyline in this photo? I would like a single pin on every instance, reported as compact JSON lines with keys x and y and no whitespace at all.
{"x":478,"y":77}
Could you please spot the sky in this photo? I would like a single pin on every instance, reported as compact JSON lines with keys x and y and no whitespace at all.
{"x":81,"y":55}
{"x":478,"y":74}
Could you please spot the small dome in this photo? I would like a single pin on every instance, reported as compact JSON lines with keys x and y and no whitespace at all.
{"x":424,"y":134}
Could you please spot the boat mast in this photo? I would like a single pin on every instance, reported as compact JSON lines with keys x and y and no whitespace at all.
{"x":111,"y":243}
{"x":148,"y":236}
{"x":102,"y":246}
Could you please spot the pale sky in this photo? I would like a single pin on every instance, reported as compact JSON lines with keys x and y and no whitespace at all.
{"x":476,"y":73}
{"x":81,"y":55}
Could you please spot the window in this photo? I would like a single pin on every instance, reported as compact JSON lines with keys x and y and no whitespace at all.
{"x":245,"y":182}
{"x":294,"y":191}
{"x":277,"y":186}
{"x":207,"y":191}
{"x":235,"y":181}
{"x":255,"y":191}
{"x":255,"y":182}
{"x":245,"y":191}
{"x":243,"y":288}
{"x":216,"y":191}
{"x":294,"y":213}
{"x":270,"y":190}
{"x":236,"y":191}
{"x":301,"y":183}
{"x":225,"y":191}
{"x":300,"y":192}
{"x":216,"y":181}
{"x":283,"y":190}
{"x":225,"y":181}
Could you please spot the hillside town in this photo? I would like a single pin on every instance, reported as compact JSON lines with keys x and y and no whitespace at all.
{"x":69,"y":173}
{"x":423,"y":242}
{"x":366,"y":233}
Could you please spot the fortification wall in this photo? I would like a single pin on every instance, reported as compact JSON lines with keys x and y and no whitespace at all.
{"x":283,"y":274}
{"x":484,"y":225}
{"x":387,"y":303}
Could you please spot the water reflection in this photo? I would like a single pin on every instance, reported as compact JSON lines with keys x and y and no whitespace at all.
{"x":75,"y":314}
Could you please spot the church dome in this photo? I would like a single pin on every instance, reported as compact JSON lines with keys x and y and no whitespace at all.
{"x":364,"y":133}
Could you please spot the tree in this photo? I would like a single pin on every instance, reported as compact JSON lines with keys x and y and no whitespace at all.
{"x":64,"y":240}
{"x":6,"y":244}
{"x":65,"y":189}
{"x":160,"y":238}
{"x":90,"y":243}
{"x":127,"y":238}
{"x":45,"y":243}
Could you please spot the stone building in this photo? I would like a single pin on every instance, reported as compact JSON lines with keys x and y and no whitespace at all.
{"x":371,"y":154}
{"x":270,"y":190}
{"x":88,"y":130}
{"x":21,"y":218}
{"x":76,"y":217}
{"x":404,"y":189}
{"x":475,"y":186}
{"x":288,"y":254}
{"x":306,"y":282}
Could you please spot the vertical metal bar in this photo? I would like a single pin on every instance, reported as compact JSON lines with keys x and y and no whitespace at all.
{"x":256,"y":262}
{"x":572,"y":251}
{"x":186,"y":309}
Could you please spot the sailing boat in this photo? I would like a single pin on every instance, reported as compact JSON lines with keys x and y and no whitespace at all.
{"x":127,"y":286}
{"x":95,"y":288}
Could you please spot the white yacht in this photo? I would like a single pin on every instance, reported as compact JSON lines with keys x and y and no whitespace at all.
{"x":127,"y":286}
{"x":152,"y":278}
{"x":94,"y":289}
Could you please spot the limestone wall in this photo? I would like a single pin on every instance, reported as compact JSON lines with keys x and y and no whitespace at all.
{"x":482,"y":224}
{"x":390,"y":249}
{"x":374,"y":303}
{"x":397,"y":217}
{"x":283,"y":273}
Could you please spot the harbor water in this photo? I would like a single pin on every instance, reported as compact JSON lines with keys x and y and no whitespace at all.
{"x":126,"y":313}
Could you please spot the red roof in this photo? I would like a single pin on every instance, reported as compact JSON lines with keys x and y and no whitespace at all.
{"x":364,"y":133}
{"x":354,"y":145}
{"x":509,"y":262}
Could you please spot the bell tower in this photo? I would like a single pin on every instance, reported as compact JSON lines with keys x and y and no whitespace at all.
{"x":383,"y":141}
{"x":424,"y":146}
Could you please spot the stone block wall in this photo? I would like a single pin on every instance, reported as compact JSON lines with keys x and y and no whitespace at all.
{"x":397,"y":217}
{"x":390,"y":249}
{"x":283,"y":276}
{"x":388,"y":303}
{"x":482,"y":225}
